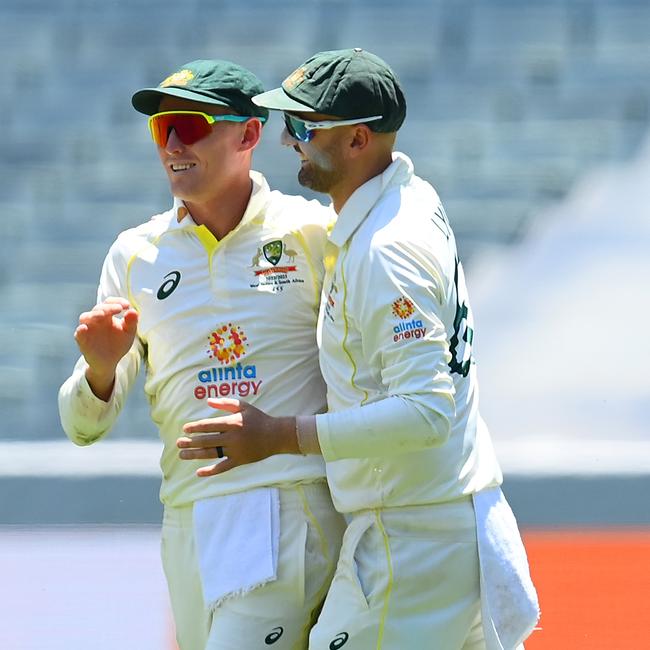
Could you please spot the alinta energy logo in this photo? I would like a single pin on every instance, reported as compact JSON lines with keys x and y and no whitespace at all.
{"x":404,"y":308}
{"x":227,"y":344}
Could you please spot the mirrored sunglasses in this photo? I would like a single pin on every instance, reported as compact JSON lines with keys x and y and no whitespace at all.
{"x":303,"y":130}
{"x":190,"y":126}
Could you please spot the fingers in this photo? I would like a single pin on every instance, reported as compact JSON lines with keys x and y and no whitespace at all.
{"x":83,"y":334}
{"x":130,"y":321}
{"x":202,"y":446}
{"x":99,"y":313}
{"x":110,"y":307}
{"x":203,"y":441}
{"x":114,"y":300}
{"x":80,"y":332}
{"x":212,"y":425}
{"x":107,"y":318}
{"x":226,"y":404}
{"x":206,"y":447}
{"x":199,"y":454}
{"x":219,"y":468}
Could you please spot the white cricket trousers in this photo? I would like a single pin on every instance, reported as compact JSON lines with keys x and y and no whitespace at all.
{"x":407,"y":579}
{"x":277,"y":615}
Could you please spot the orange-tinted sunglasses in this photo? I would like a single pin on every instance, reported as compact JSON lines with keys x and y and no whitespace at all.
{"x":190,"y":126}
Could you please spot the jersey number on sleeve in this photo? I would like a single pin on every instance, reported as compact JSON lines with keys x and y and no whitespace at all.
{"x":460,"y":344}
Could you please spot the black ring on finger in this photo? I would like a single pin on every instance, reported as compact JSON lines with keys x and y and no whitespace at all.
{"x":219,"y":452}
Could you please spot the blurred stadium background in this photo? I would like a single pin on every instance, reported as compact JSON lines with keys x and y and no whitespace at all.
{"x":530,"y":118}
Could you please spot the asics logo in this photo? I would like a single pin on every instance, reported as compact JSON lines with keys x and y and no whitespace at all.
{"x":273,"y":635}
{"x":167,"y":287}
{"x":339,"y":641}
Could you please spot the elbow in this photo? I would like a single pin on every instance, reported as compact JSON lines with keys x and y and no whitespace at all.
{"x":440,"y":428}
{"x":436,"y":423}
{"x":78,"y":438}
{"x":81,"y":440}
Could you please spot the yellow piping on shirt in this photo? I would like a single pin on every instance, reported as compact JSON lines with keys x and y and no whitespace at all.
{"x":345,"y":338}
{"x":209,"y":241}
{"x":314,"y":276}
{"x":389,"y":587}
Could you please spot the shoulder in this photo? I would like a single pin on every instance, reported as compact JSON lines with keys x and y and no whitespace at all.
{"x":409,"y":216}
{"x":298,"y":212}
{"x":407,"y":236}
{"x":129,"y":241}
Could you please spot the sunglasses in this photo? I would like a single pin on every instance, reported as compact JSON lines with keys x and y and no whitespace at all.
{"x":190,"y":126}
{"x":303,"y":130}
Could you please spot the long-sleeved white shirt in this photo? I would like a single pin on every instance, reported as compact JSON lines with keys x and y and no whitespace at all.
{"x":230,"y":318}
{"x":396,"y":329}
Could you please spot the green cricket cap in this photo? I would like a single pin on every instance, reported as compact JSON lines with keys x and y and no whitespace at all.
{"x":209,"y":81}
{"x":348,"y":84}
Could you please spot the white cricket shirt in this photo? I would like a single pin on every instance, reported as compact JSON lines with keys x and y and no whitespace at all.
{"x":231,"y":318}
{"x":396,"y":328}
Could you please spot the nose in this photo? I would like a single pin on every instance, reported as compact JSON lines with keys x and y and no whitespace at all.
{"x":287,"y":139}
{"x":174,"y":143}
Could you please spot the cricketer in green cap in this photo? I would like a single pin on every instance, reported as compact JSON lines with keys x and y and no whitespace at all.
{"x":348,"y":84}
{"x":407,"y":453}
{"x":209,"y":81}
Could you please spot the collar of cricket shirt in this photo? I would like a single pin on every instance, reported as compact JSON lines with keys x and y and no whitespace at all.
{"x":365,"y":197}
{"x":256,"y":204}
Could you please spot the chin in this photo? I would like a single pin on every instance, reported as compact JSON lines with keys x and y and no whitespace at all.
{"x":304,"y":178}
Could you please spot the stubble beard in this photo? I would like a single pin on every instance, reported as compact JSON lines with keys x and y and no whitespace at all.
{"x":318,"y":179}
{"x":321,"y":174}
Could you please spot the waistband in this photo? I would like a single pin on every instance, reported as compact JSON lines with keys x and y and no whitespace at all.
{"x":316,"y":494}
{"x":437,"y":519}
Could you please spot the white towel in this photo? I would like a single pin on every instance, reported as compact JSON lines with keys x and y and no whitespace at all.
{"x":237,"y":537}
{"x":509,"y":604}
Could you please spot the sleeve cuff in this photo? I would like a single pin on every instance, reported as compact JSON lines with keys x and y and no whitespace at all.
{"x":85,"y":417}
{"x":307,"y":435}
{"x":324,"y":434}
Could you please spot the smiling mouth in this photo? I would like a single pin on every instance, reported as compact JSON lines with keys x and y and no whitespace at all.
{"x":181,"y":168}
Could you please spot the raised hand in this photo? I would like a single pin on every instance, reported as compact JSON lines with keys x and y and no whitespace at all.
{"x":104,"y":335}
{"x":245,"y":436}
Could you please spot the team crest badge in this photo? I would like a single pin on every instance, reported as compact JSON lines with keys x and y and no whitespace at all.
{"x":273,"y":251}
{"x":180,"y":78}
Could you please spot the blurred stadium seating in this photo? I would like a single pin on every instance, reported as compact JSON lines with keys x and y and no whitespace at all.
{"x":509,"y":103}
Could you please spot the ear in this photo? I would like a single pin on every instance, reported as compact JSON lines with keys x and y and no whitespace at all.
{"x":251,"y":134}
{"x":360,"y":140}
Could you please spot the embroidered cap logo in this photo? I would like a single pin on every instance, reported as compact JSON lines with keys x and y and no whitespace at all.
{"x":294,"y":79}
{"x":180,"y":78}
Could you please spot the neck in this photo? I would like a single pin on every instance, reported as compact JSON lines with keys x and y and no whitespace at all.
{"x":356,"y":177}
{"x":225,"y":210}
